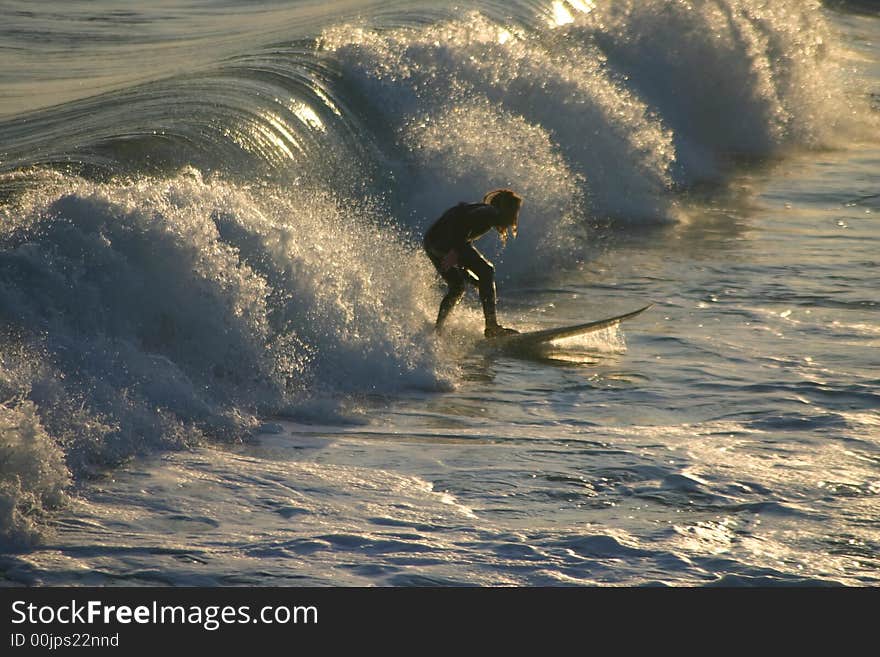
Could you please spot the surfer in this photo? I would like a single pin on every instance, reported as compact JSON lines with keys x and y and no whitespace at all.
{"x":449,"y":245}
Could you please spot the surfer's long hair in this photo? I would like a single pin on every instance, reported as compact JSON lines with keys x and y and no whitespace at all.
{"x":508,"y":203}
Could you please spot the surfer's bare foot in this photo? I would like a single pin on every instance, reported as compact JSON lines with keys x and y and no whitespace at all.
{"x":495,"y":331}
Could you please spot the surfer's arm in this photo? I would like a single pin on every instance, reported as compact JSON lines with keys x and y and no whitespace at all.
{"x":476,"y":223}
{"x":453,"y":237}
{"x":480,"y":221}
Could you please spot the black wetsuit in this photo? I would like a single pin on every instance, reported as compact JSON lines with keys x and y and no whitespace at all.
{"x":455,"y":231}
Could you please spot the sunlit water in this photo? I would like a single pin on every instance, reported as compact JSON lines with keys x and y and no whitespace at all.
{"x":729,"y":435}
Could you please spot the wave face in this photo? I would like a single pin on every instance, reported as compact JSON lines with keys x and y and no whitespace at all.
{"x":239,"y":239}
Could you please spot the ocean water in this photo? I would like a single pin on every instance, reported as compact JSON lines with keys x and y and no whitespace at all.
{"x":216,"y":357}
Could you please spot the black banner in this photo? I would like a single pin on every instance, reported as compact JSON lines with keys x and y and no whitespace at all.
{"x":52,"y":619}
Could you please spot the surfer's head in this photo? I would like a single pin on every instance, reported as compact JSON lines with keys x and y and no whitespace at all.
{"x":508,"y":203}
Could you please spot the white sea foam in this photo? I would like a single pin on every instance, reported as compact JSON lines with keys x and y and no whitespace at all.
{"x":161,"y":312}
{"x":33,"y":474}
{"x":616,"y":105}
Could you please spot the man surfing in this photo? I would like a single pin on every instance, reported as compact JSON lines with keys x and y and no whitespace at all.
{"x":449,"y":245}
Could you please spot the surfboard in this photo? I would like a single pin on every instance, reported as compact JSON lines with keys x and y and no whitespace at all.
{"x":548,"y":335}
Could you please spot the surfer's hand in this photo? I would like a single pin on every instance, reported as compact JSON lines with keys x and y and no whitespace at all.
{"x":449,"y":261}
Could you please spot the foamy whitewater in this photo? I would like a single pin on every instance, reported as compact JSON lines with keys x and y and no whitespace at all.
{"x":217,"y":363}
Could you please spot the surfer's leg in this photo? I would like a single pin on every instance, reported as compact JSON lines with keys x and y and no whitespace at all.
{"x":454,"y":278}
{"x":474,"y":261}
{"x":455,"y":281}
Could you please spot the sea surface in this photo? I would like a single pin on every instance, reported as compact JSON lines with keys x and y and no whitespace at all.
{"x":217,"y":366}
